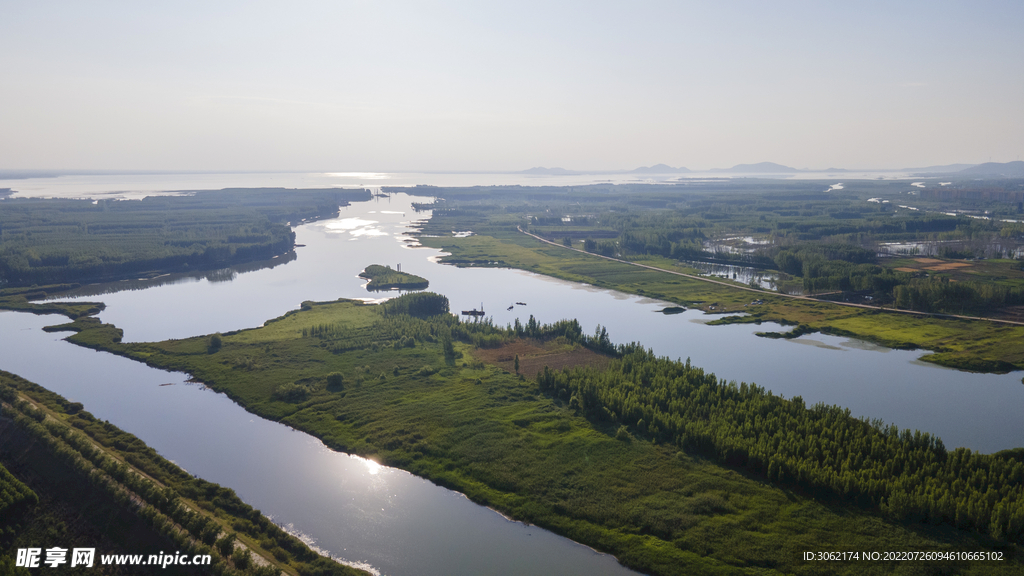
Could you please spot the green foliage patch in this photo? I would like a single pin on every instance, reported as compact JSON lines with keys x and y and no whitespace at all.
{"x":386,"y":278}
{"x":15,"y":497}
{"x":131,"y":478}
{"x":48,"y":241}
{"x":820,"y":450}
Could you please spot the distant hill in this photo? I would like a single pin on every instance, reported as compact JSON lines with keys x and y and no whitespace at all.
{"x":941,"y":169}
{"x":549,"y":171}
{"x":660,"y":169}
{"x":23,"y":174}
{"x":1013,"y":169}
{"x":759,"y":168}
{"x":19,"y":174}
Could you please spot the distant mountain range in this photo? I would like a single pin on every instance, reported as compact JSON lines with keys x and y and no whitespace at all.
{"x":762,"y":168}
{"x":656,"y":169}
{"x":660,"y":169}
{"x":942,"y":169}
{"x":1013,"y":169}
{"x":759,"y":168}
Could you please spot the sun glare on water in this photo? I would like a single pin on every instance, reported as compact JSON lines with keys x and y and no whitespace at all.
{"x":372,"y":467}
{"x":362,"y":175}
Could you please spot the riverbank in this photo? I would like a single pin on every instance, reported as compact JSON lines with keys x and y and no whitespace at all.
{"x":140,"y":489}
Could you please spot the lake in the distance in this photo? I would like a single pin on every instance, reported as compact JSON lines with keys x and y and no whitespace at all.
{"x":140,"y":185}
{"x":392,"y":521}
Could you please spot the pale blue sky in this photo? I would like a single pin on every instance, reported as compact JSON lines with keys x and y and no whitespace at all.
{"x":471,"y":86}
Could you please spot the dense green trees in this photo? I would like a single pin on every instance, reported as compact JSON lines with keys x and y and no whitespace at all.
{"x":74,"y":442}
{"x":941,"y":295}
{"x":820,"y":449}
{"x":214,"y":344}
{"x":291,"y":392}
{"x":838,"y":266}
{"x":421,"y":304}
{"x":826,"y":239}
{"x":15,"y":497}
{"x":335,"y":380}
{"x":49,"y":241}
{"x":386,"y":278}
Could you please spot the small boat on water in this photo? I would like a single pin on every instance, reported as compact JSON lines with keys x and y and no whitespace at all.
{"x":520,"y":303}
{"x":510,"y":307}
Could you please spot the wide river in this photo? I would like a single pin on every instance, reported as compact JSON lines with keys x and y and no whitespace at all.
{"x":392,"y":522}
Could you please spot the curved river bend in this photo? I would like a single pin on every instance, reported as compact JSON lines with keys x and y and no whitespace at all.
{"x":388,"y":520}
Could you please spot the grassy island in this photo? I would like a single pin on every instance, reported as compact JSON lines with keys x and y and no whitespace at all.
{"x":667,"y":467}
{"x":387,"y":278}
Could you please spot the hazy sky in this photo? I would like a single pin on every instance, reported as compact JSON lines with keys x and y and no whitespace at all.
{"x":337,"y":85}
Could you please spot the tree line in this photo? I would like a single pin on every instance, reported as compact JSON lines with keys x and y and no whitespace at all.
{"x":941,"y":295}
{"x":820,"y":449}
{"x":49,"y":241}
{"x":15,"y":497}
{"x":161,"y":507}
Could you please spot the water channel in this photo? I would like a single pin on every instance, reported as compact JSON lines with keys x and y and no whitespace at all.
{"x":390,"y":521}
{"x":744,"y":274}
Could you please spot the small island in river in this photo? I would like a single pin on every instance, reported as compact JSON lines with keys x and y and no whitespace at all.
{"x":387,"y":278}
